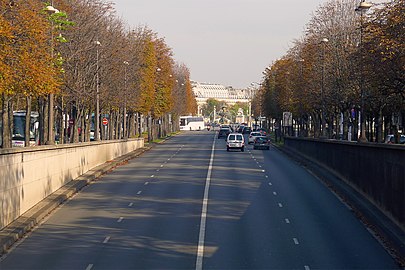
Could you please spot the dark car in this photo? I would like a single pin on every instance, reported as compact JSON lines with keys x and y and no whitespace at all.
{"x":261,"y":142}
{"x":247,"y":130}
{"x":223,"y":133}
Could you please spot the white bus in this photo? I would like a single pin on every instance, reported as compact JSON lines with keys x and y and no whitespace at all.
{"x":191,"y":123}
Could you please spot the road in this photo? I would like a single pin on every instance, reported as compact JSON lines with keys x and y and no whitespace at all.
{"x":190,"y":204}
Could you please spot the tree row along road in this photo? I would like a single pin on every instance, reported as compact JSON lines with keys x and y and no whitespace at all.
{"x":263,"y":211}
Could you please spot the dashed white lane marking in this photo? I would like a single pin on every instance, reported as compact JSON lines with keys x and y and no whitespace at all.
{"x":280,"y":205}
{"x":263,"y":170}
{"x":152,"y":176}
{"x":270,"y":184}
{"x":307,"y":267}
{"x":267,"y":176}
{"x":158,"y":170}
{"x":146,"y":183}
{"x":168,"y":159}
{"x":120,"y":219}
{"x":161,"y":166}
{"x":130,"y":204}
{"x":275,"y":193}
{"x":89,"y":267}
{"x":287,"y":221}
{"x":296,"y":241}
{"x":139,"y":192}
{"x":106,"y":240}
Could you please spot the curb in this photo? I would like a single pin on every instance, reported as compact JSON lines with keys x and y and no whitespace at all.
{"x":26,"y":222}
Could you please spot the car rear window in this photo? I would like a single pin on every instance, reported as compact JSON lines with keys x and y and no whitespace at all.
{"x":239,"y":137}
{"x":232,"y":137}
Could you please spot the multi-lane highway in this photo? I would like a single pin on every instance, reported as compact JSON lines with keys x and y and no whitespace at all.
{"x":190,"y":204}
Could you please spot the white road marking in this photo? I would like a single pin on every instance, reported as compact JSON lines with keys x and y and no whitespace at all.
{"x":139,"y":192}
{"x":267,"y":176}
{"x":275,"y":193}
{"x":287,"y":221}
{"x":152,"y":176}
{"x":270,"y":184}
{"x":296,"y":241}
{"x":120,"y":219}
{"x":146,"y":183}
{"x":201,"y":238}
{"x":161,"y":166}
{"x":130,"y":204}
{"x":280,"y":205}
{"x":89,"y":267}
{"x":307,"y":267}
{"x":157,"y":170}
{"x":263,"y":170}
{"x":106,"y":240}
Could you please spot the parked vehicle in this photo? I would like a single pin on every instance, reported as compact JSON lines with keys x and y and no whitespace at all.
{"x":18,"y":139}
{"x":252,"y":136}
{"x":391,"y":139}
{"x":223,"y":133}
{"x":261,"y":142}
{"x":235,"y":141}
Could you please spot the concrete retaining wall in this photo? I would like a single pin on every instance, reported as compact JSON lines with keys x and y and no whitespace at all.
{"x":27,"y":176}
{"x":375,"y":170}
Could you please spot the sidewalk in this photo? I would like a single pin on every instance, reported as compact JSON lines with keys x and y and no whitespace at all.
{"x":25,"y":223}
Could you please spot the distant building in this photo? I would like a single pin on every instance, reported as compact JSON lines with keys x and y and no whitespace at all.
{"x":228,"y":94}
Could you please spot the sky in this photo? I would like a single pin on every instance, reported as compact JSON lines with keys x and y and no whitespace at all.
{"x":228,"y":42}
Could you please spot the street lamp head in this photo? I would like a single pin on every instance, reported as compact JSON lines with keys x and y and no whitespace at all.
{"x":325,"y":40}
{"x":126,"y":63}
{"x":363,"y":6}
{"x":97,"y":42}
{"x":51,"y":9}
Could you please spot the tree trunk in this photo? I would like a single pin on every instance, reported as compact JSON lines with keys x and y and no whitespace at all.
{"x":7,"y":121}
{"x":27,"y":122}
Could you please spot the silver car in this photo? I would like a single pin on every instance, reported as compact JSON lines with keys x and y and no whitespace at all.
{"x":235,"y":141}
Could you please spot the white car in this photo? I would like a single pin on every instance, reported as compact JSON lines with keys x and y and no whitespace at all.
{"x":235,"y":141}
{"x":253,"y":135}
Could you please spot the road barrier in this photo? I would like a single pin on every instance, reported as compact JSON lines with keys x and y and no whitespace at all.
{"x":377,"y":171}
{"x":29,"y":175}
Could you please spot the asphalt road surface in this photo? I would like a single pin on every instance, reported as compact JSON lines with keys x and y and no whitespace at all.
{"x":190,"y":204}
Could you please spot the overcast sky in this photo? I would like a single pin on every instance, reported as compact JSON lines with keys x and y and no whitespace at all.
{"x":227,"y":42}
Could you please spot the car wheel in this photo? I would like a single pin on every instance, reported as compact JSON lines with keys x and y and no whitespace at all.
{"x":242,"y":149}
{"x":268,"y":147}
{"x":227,"y":149}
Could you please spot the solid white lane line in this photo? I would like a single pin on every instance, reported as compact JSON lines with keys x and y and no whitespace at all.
{"x":120,"y":219}
{"x":89,"y":267}
{"x":296,"y":241}
{"x":106,"y":240}
{"x":201,"y":238}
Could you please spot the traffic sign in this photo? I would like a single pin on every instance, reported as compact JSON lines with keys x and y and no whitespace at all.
{"x":105,"y":121}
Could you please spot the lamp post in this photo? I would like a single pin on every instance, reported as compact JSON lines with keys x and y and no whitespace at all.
{"x":50,"y":136}
{"x":97,"y":112}
{"x":362,"y":8}
{"x":323,"y":41}
{"x":124,"y":128}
